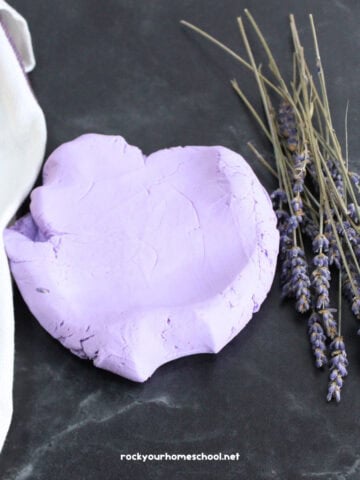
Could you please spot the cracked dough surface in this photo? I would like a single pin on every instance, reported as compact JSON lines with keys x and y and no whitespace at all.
{"x":133,"y":261}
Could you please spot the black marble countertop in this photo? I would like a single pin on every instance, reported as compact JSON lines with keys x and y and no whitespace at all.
{"x":127,"y":67}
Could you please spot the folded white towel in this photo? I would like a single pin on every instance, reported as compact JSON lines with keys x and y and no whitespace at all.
{"x":22,"y":146}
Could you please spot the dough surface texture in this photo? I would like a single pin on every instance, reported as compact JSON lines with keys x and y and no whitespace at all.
{"x":132,"y":261}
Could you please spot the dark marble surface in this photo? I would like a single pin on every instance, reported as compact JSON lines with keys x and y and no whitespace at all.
{"x":126,"y":66}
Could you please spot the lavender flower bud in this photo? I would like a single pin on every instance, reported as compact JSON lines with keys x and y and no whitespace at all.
{"x":317,"y":340}
{"x":322,"y":301}
{"x":355,"y":177}
{"x":302,"y":304}
{"x":320,"y":242}
{"x":334,"y":255}
{"x":352,"y":212}
{"x":278,"y":196}
{"x":355,"y":306}
{"x":321,"y":260}
{"x":293,"y":223}
{"x":298,"y":186}
{"x":329,"y":322}
{"x":297,"y":206}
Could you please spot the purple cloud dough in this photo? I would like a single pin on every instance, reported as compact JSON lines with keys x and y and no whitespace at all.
{"x":133,"y":261}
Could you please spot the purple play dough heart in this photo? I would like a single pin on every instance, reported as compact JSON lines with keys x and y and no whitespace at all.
{"x":133,"y":261}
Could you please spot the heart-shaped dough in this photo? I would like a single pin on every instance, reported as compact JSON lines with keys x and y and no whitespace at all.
{"x":133,"y":261}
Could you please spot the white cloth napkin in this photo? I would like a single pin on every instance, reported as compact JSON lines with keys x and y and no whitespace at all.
{"x":22,"y":146}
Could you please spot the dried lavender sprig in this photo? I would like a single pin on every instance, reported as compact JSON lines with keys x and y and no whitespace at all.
{"x":337,"y":187}
{"x":321,"y":274}
{"x":295,"y":278}
{"x":322,"y":186}
{"x":338,"y":362}
{"x":338,"y":368}
{"x":321,"y":283}
{"x":295,"y":266}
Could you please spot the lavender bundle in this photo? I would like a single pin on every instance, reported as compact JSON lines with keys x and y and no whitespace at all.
{"x":316,"y":201}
